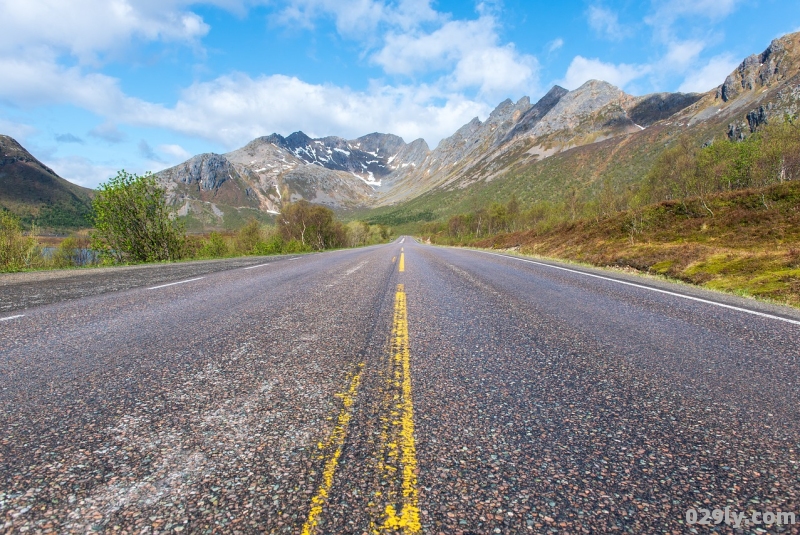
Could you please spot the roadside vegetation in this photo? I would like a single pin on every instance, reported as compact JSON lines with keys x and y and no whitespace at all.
{"x":725,"y":215}
{"x":134,"y":224}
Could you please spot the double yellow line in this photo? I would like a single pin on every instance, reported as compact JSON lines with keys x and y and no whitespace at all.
{"x":402,"y":511}
{"x":336,"y":441}
{"x":397,"y":454}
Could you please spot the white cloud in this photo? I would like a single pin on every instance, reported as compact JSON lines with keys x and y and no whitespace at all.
{"x":470,"y":51}
{"x":710,"y":75}
{"x":80,"y":170}
{"x":19,"y":131}
{"x":176,"y":152}
{"x":582,"y":69}
{"x":606,"y":23}
{"x":408,"y":53}
{"x":86,"y":29}
{"x":234,"y":109}
{"x":681,"y":55}
{"x":41,"y":80}
{"x":357,"y":18}
{"x":554,"y":45}
{"x":466,"y":57}
{"x":666,"y":14}
{"x":497,"y":72}
{"x":108,"y":132}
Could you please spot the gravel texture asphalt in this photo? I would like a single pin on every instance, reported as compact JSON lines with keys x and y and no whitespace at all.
{"x":467,"y":393}
{"x":24,"y":290}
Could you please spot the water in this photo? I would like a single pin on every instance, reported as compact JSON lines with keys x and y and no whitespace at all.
{"x":80,"y":256}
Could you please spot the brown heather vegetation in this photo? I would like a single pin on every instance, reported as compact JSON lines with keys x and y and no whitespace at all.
{"x":725,"y":216}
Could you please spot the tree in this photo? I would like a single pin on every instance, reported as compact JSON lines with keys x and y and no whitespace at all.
{"x":498,"y":218}
{"x":248,"y":237}
{"x":133,"y":222}
{"x":215,"y":246}
{"x":16,"y":249}
{"x":357,"y":233}
{"x":314,"y":226}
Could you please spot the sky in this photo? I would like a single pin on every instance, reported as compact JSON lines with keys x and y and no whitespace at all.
{"x":90,"y":87}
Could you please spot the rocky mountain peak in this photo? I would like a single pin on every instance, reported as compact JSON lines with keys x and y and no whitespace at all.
{"x":580,"y":105}
{"x":530,"y":118}
{"x":778,"y":62}
{"x":597,"y":91}
{"x":501,"y":109}
{"x":380,"y":144}
{"x":296,"y":140}
{"x":207,"y":171}
{"x":11,"y":151}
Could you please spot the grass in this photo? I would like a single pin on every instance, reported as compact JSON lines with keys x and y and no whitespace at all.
{"x":751,"y":246}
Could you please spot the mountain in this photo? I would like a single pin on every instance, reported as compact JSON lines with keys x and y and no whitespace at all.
{"x":35,"y":193}
{"x":259,"y":177}
{"x":597,"y":138}
{"x":567,"y":141}
{"x":574,"y":143}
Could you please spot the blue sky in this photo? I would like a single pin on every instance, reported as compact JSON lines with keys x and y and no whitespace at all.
{"x":94,"y":86}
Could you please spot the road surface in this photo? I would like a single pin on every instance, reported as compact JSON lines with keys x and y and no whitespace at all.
{"x":400,"y":388}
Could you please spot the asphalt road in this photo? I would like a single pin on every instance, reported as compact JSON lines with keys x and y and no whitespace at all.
{"x":395,"y":389}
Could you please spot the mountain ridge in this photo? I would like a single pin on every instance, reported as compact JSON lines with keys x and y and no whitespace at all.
{"x":567,"y":139}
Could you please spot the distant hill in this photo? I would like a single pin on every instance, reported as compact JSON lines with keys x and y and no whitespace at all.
{"x":35,"y":193}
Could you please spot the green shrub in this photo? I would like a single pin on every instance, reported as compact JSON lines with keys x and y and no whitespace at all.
{"x":214,"y":246}
{"x":16,"y":250}
{"x":133,"y":222}
{"x":248,"y":238}
{"x":273,"y":245}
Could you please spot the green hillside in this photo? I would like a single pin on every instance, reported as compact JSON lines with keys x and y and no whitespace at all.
{"x":36,"y":194}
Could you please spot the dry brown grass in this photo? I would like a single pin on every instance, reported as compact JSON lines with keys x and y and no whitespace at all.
{"x":750,"y":246}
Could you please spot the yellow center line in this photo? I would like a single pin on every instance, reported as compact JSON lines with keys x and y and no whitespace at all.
{"x":402,"y":267}
{"x":404,"y":516}
{"x":336,"y":438}
{"x":394,"y":258}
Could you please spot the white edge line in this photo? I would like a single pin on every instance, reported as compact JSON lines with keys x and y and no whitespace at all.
{"x":691,"y":298}
{"x":174,"y":283}
{"x":295,"y":258}
{"x":13,"y":317}
{"x":260,"y":265}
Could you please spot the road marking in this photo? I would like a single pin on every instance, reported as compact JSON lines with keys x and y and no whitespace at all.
{"x":402,"y":511}
{"x":174,"y":283}
{"x":394,"y":259}
{"x":13,"y":317}
{"x":335,"y":440}
{"x":353,"y":270}
{"x":667,"y":292}
{"x":402,"y":267}
{"x":295,"y":258}
{"x":260,"y":265}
